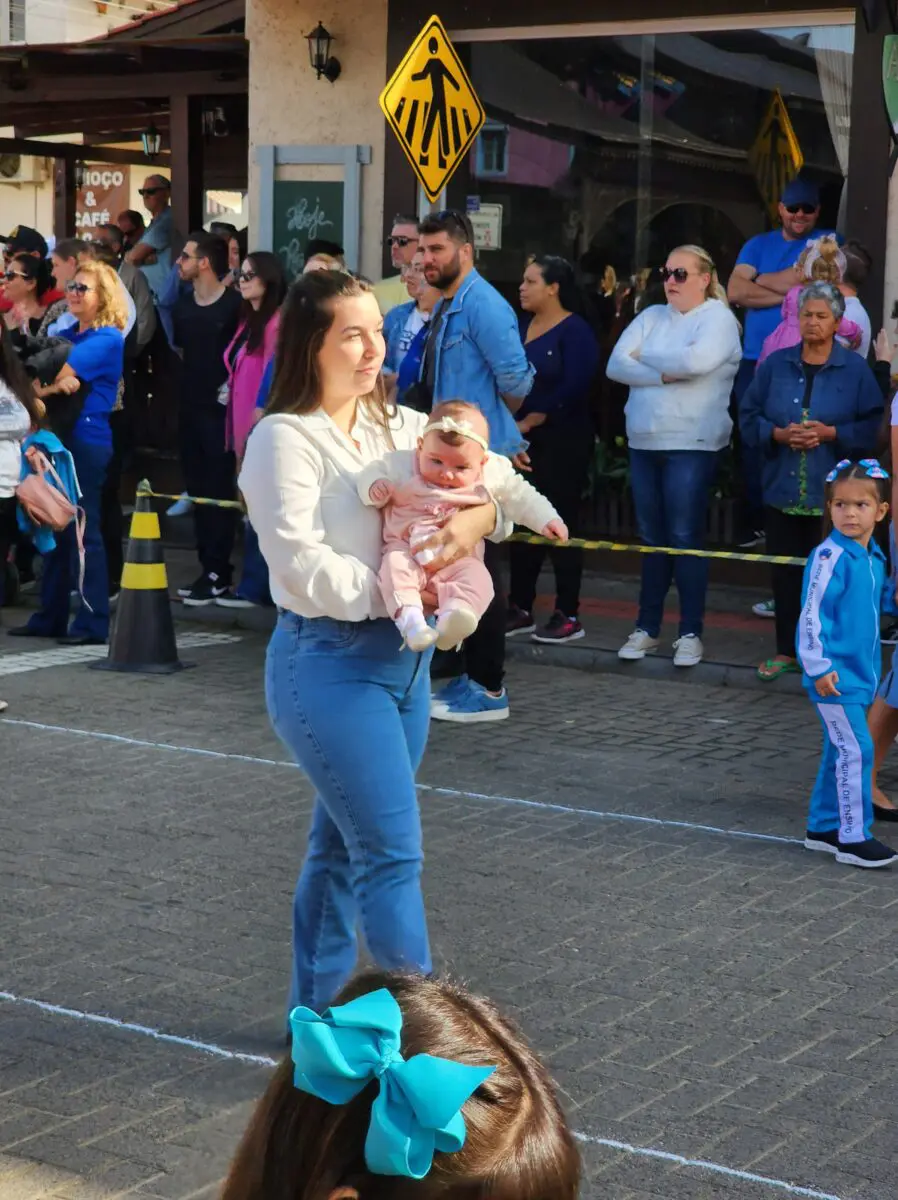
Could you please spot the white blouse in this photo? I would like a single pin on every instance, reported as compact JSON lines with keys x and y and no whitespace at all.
{"x":323,"y":546}
{"x":15,"y":425}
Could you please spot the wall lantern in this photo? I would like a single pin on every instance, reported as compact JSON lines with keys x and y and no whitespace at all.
{"x":79,"y":174}
{"x":320,"y":54}
{"x":152,"y":141}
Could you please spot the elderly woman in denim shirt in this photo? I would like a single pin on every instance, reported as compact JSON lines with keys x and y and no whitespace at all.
{"x":807,"y":407}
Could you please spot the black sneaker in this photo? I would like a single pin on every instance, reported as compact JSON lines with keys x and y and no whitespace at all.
{"x":518,"y":621}
{"x":197,"y":583}
{"x":870,"y":854}
{"x":205,"y":592}
{"x":560,"y":628}
{"x":889,"y":635}
{"x":827,"y":842}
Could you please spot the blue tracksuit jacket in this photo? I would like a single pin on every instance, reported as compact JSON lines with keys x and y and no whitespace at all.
{"x":842,"y":597}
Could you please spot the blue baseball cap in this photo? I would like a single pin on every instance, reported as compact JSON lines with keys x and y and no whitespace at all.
{"x":801,"y":191}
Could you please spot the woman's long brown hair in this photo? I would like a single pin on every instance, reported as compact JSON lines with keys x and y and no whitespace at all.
{"x":518,"y":1144}
{"x":307,"y":315}
{"x":14,"y":376}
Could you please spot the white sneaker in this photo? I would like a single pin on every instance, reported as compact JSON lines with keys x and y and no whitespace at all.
{"x":638,"y":645}
{"x":453,"y":626}
{"x":688,"y":650}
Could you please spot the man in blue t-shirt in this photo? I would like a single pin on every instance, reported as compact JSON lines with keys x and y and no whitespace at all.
{"x":764,"y":273}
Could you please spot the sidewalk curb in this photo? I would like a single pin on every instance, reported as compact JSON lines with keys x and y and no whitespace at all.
{"x":576,"y":658}
{"x":653,"y":666}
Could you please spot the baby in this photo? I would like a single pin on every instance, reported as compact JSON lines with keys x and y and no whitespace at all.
{"x":820,"y":262}
{"x":419,"y":490}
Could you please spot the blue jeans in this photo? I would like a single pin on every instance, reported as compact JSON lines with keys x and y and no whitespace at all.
{"x":254,"y":580}
{"x":354,"y":713}
{"x":671,"y":489}
{"x":61,"y":566}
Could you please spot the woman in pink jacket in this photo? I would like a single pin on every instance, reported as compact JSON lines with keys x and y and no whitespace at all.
{"x":263,"y":285}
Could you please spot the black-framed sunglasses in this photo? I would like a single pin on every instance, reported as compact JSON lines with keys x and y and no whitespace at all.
{"x":7,"y":275}
{"x":807,"y":209}
{"x":78,"y":289}
{"x":183,"y":257}
{"x":678,"y":274}
{"x":399,"y":240}
{"x":150,"y":191}
{"x":247,"y":276}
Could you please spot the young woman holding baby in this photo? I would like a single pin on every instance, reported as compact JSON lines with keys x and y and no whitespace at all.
{"x":352,"y":709}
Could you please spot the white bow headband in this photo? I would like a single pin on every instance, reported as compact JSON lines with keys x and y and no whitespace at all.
{"x":449,"y":424}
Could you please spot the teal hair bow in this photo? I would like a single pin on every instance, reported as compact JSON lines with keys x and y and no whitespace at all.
{"x":417,"y":1110}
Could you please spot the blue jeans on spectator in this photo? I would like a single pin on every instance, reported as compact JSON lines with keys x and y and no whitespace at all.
{"x":354,"y":713}
{"x":61,"y":566}
{"x":254,"y":579}
{"x":671,"y":490}
{"x":748,"y":458}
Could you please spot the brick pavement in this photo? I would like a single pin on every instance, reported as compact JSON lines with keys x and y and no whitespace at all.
{"x":714,"y":997}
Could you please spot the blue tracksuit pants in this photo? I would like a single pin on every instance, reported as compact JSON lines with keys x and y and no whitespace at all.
{"x":842,"y":797}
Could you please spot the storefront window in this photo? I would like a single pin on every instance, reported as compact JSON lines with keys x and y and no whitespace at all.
{"x":611,"y":151}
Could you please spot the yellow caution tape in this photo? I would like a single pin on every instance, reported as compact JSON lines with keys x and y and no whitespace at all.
{"x":533,"y":539}
{"x":582,"y":544}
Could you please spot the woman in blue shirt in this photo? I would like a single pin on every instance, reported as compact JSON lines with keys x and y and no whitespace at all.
{"x":91,"y":374}
{"x":555,"y":418}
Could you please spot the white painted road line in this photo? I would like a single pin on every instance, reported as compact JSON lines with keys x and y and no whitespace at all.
{"x":514,"y":801}
{"x":698,"y":1164}
{"x":67,"y":656}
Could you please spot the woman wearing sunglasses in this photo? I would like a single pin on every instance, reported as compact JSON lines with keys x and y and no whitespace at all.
{"x":92,"y":371}
{"x":263,"y":286}
{"x":679,"y":361}
{"x":28,"y":286}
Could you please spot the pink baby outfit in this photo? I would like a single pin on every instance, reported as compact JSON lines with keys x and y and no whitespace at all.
{"x":416,"y":511}
{"x":788,"y":332}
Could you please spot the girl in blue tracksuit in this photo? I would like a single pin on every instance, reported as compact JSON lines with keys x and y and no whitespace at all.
{"x":838,"y":646}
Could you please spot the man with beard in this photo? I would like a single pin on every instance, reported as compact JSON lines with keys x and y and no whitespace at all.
{"x":474,"y":353}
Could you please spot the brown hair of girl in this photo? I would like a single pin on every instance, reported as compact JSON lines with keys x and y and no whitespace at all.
{"x":306,"y":317}
{"x":518,"y":1145}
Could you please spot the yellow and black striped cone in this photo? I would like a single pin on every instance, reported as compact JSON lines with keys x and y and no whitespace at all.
{"x":143,"y":635}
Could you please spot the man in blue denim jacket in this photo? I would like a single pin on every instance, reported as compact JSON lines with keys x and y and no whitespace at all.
{"x":474,"y":353}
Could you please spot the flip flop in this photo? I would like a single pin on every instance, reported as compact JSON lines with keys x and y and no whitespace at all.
{"x":775,"y":668}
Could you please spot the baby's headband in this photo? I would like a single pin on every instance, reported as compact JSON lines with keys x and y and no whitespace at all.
{"x":871,"y":466}
{"x":449,"y":424}
{"x":417,"y":1109}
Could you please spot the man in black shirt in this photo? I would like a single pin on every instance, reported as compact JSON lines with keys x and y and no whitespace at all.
{"x":205,"y":322}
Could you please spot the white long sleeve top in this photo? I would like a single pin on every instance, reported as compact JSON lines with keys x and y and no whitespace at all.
{"x":701,"y":349}
{"x":323,"y":546}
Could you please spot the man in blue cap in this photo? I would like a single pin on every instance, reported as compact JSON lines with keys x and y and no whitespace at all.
{"x":764,"y":273}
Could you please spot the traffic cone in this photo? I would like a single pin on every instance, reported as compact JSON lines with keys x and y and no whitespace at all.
{"x":143,"y":634}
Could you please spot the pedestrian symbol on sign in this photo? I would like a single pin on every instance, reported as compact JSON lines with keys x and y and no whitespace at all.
{"x":432,"y":108}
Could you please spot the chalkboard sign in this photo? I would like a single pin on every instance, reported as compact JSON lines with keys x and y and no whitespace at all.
{"x":303,"y":211}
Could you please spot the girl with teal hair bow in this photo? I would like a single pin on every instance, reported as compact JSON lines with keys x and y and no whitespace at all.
{"x":406,"y":1087}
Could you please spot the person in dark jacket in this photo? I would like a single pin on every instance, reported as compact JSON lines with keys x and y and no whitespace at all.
{"x":808,"y":407}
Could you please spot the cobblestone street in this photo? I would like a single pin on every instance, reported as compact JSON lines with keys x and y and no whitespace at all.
{"x":697,"y":993}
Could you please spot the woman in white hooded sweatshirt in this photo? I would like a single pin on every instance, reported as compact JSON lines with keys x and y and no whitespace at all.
{"x":679,"y":361}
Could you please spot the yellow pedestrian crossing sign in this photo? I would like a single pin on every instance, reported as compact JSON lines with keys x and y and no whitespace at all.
{"x":432,"y":108}
{"x":776,"y":156}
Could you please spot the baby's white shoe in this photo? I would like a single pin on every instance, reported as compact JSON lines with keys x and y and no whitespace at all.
{"x":454,"y":625}
{"x":417,"y":634}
